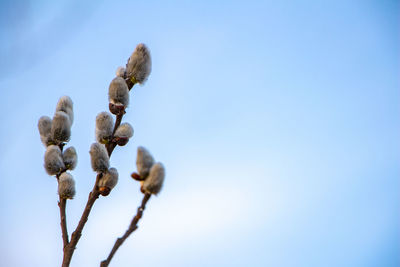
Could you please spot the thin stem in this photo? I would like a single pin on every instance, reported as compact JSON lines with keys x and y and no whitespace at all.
{"x":62,"y":205}
{"x":132,"y":227}
{"x":110,"y":147}
{"x":76,"y":235}
{"x":129,"y":83}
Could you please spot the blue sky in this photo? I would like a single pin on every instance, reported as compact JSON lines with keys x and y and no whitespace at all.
{"x":278,"y":124}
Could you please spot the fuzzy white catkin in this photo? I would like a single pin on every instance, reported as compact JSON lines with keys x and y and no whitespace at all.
{"x":124,"y":130}
{"x":139,"y":64}
{"x":65,"y":104}
{"x":154,"y":182}
{"x":120,"y":72}
{"x":99,"y":158}
{"x":66,"y":186}
{"x":44,"y":126}
{"x":70,"y":158}
{"x":104,"y":126}
{"x":109,"y":179}
{"x":144,"y":161}
{"x":53,"y":162}
{"x":118,"y":92}
{"x":61,"y":127}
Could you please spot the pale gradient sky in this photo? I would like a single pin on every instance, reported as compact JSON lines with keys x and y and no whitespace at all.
{"x":278,"y":123}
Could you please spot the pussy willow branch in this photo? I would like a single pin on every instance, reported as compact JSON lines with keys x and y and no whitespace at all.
{"x":93,"y":196}
{"x":132,"y":227}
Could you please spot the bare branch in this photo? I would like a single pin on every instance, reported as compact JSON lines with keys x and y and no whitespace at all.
{"x":62,"y":205}
{"x":132,"y":227}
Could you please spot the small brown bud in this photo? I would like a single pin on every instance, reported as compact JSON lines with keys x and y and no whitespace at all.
{"x":136,"y":176}
{"x":121,"y":141}
{"x":116,"y":109}
{"x":104,"y":191}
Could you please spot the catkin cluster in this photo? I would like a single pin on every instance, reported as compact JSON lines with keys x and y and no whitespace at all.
{"x":101,"y":164}
{"x":55,"y":133}
{"x":150,"y":174}
{"x":139,"y":68}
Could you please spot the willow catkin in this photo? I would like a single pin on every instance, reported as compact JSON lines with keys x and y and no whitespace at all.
{"x":44,"y":126}
{"x":118,"y":92}
{"x":70,"y":158}
{"x":65,"y":104}
{"x":144,"y":161}
{"x":125,"y":130}
{"x":53,"y":162}
{"x":120,"y":72}
{"x":138,"y":67}
{"x":99,"y":158}
{"x":155,"y":180}
{"x":61,"y":127}
{"x":109,"y":179}
{"x":104,"y":127}
{"x":66,"y":186}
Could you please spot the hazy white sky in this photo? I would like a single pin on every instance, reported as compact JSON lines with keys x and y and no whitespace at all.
{"x":278,"y":124}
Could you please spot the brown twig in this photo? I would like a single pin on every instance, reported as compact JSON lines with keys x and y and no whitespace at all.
{"x":62,"y":204}
{"x":76,"y":235}
{"x":132,"y":227}
{"x":93,"y":196}
{"x":110,"y":146}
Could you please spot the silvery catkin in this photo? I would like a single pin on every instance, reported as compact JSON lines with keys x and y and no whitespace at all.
{"x":61,"y":127}
{"x":65,"y":104}
{"x":44,"y":126}
{"x":138,"y":67}
{"x":70,"y":158}
{"x":66,"y":186}
{"x":125,"y":130}
{"x":99,"y":158}
{"x":118,"y":92}
{"x":154,"y":182}
{"x":53,"y":162}
{"x":144,"y":161}
{"x":109,"y":179}
{"x":104,"y":127}
{"x":120,"y":72}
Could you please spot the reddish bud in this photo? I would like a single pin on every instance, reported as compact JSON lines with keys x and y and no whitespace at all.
{"x":121,"y":141}
{"x":136,"y":176}
{"x":104,"y":191}
{"x":116,"y":109}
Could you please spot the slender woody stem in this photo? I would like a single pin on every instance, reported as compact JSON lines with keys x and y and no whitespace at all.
{"x":76,"y":235}
{"x":110,"y":147}
{"x":62,"y":204}
{"x":132,"y":227}
{"x":93,"y":196}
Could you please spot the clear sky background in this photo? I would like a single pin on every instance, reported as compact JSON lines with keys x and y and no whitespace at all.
{"x":278,"y":123}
